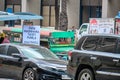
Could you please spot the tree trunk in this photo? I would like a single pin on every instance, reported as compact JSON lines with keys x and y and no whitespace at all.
{"x":63,"y":19}
{"x":56,"y":14}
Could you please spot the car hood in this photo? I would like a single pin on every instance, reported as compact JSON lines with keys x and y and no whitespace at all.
{"x":61,"y":64}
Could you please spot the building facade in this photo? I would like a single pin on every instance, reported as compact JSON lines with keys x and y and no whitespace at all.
{"x":78,"y":11}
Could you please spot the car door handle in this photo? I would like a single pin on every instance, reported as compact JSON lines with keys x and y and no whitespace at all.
{"x":116,"y":60}
{"x":94,"y":58}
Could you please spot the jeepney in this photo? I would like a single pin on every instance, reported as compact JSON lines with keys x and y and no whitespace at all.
{"x":59,"y":42}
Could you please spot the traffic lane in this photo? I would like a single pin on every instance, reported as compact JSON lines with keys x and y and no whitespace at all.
{"x":2,"y":77}
{"x":5,"y":79}
{"x":107,"y":77}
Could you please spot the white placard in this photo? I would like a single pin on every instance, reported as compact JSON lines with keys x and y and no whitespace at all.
{"x":31,"y":34}
{"x":102,"y":25}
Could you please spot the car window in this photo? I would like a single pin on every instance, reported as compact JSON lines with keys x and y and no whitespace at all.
{"x":83,"y":29}
{"x":90,"y":43}
{"x":108,"y":45}
{"x":3,"y":50}
{"x":118,"y":48}
{"x":11,"y":50}
{"x":36,"y":52}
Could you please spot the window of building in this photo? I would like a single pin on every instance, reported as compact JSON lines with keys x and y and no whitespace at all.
{"x":13,"y":6}
{"x":48,"y":12}
{"x":90,"y":9}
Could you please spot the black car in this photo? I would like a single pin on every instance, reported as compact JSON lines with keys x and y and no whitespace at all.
{"x":95,"y":57}
{"x":30,"y":62}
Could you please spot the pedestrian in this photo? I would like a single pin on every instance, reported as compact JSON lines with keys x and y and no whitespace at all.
{"x":6,"y":40}
{"x":73,"y":28}
{"x":75,"y":33}
{"x":2,"y":35}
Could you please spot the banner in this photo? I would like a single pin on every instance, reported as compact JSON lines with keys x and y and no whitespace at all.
{"x":102,"y":25}
{"x":31,"y":34}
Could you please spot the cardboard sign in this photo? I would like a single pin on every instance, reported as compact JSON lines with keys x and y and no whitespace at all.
{"x":31,"y":34}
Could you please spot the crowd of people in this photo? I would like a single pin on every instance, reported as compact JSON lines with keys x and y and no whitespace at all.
{"x":4,"y":38}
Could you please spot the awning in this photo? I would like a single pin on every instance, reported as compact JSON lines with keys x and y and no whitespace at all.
{"x":18,"y":16}
{"x":7,"y":16}
{"x":27,"y":16}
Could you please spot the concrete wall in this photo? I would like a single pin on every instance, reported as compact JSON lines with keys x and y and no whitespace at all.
{"x":113,"y":7}
{"x":32,"y":6}
{"x":2,"y":2}
{"x":73,"y":12}
{"x":110,"y":8}
{"x":2,"y":7}
{"x":35,"y":8}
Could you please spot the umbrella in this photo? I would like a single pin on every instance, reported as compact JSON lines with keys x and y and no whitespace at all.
{"x":27,"y":16}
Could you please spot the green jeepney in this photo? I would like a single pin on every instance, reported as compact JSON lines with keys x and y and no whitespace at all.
{"x":61,"y":42}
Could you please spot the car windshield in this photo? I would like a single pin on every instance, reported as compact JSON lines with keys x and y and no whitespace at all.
{"x":83,"y":29}
{"x":37,"y":52}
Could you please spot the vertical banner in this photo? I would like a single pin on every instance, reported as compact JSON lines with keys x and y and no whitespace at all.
{"x":31,"y":34}
{"x":102,"y":25}
{"x":117,"y":26}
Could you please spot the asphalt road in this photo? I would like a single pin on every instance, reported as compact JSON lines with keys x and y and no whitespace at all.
{"x":5,"y":79}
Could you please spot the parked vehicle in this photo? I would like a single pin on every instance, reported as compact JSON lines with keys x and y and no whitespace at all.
{"x":49,"y":38}
{"x":95,"y":56}
{"x":31,"y":62}
{"x":98,"y":26}
{"x":61,"y":42}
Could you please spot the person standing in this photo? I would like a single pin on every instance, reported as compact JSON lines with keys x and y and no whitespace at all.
{"x":75,"y":33}
{"x":1,"y":37}
{"x":6,"y":40}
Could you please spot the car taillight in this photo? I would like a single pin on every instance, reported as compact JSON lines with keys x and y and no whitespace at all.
{"x":69,"y":55}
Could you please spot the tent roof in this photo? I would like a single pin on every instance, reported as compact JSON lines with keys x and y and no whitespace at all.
{"x":27,"y":15}
{"x":7,"y":16}
{"x":18,"y":16}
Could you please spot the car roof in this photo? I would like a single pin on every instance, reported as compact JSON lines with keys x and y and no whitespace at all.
{"x":102,"y":35}
{"x":20,"y":45}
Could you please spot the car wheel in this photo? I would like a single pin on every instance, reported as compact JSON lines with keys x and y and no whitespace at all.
{"x":85,"y":74}
{"x":29,"y":74}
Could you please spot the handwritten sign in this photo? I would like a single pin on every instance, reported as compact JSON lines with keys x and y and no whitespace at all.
{"x":31,"y":35}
